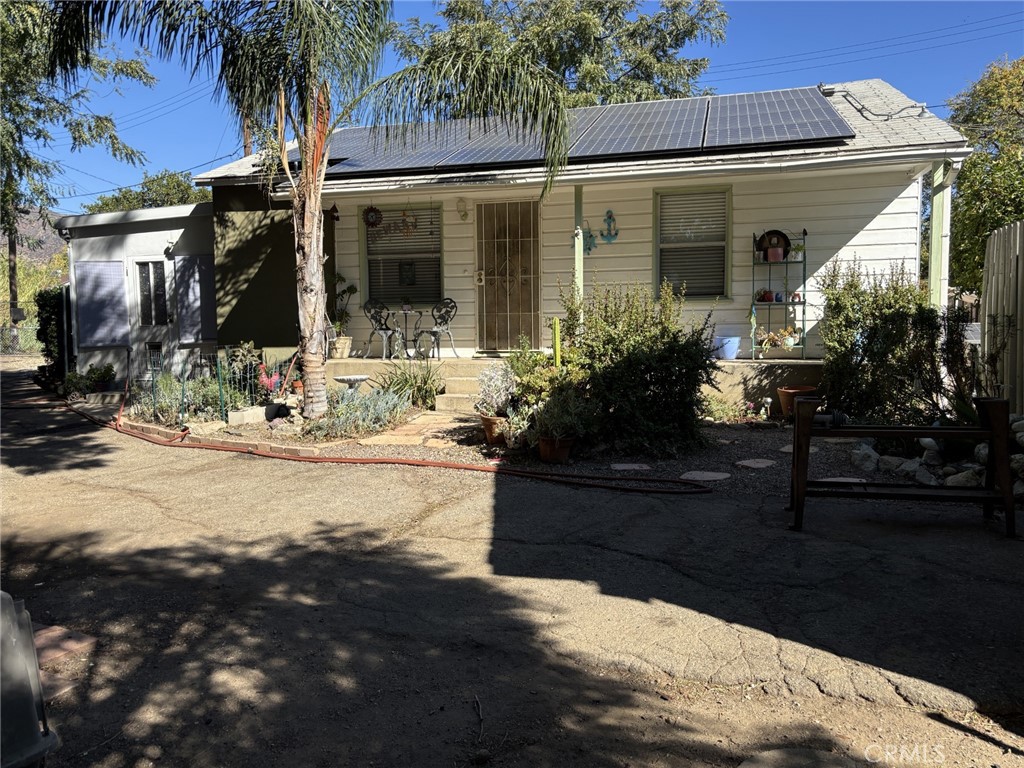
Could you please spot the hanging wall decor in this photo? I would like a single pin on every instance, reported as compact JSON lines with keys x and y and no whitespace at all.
{"x":372,"y":217}
{"x":611,"y":231}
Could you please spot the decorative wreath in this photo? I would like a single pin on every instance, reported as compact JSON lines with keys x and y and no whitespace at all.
{"x":372,"y":216}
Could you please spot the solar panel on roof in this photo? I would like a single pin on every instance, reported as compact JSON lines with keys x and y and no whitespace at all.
{"x":789,"y":116}
{"x":498,"y":145}
{"x":645,"y":127}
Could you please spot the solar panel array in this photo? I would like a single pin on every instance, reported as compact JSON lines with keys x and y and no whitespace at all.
{"x":773,"y":117}
{"x":644,"y":129}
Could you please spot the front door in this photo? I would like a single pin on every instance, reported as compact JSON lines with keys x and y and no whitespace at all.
{"x":151,"y":317}
{"x":508,"y":274}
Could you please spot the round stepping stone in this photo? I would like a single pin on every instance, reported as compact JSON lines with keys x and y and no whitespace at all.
{"x":755,"y":463}
{"x":701,"y":477}
{"x":629,"y":467}
{"x":789,"y":449}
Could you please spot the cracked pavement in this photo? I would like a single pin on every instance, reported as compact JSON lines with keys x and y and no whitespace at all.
{"x":895,"y":605}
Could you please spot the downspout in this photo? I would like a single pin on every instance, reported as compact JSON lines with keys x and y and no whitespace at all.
{"x":943,"y":175}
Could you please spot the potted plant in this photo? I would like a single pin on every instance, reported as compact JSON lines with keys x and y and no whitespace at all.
{"x":341,"y":345}
{"x":516,"y":426}
{"x":796,"y":252}
{"x":786,"y":338}
{"x":100,"y":379}
{"x":497,"y":385}
{"x":558,"y":421}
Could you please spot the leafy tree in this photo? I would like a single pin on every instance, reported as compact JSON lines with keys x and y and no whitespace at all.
{"x":160,"y":189}
{"x":604,"y":51}
{"x":33,"y":108}
{"x":33,"y":277}
{"x":305,"y":67}
{"x":989,"y":190}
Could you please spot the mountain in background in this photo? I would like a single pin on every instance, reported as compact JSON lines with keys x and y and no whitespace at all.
{"x":39,"y":240}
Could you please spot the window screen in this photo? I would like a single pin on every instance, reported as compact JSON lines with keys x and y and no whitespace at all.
{"x":102,"y":306}
{"x":403,"y":254}
{"x":196,"y":299}
{"x":152,"y":293}
{"x":692,"y":241}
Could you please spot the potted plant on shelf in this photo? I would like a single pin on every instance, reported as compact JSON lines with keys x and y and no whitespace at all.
{"x":786,"y":338}
{"x":497,"y":385}
{"x":341,"y":345}
{"x":796,"y":252}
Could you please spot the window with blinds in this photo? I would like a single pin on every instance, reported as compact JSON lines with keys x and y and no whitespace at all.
{"x":692,"y":241}
{"x":403,"y":254}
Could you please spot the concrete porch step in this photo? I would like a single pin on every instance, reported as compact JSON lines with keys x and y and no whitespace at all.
{"x":455,"y":403}
{"x":462,"y":385}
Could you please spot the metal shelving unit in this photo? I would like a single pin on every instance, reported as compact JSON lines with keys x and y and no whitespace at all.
{"x":786,"y":279}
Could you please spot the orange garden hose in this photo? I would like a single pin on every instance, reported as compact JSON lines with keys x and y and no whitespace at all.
{"x":632,"y":485}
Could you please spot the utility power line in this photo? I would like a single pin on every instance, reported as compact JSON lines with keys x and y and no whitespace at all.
{"x":139,"y":184}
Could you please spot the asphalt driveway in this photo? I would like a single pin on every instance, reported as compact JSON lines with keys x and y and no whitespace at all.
{"x":260,"y":612}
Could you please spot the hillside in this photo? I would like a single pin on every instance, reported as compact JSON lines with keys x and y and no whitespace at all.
{"x":39,"y":241}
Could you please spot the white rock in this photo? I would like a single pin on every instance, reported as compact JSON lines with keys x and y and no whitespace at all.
{"x":1018,"y":426}
{"x":968,"y":479}
{"x":928,"y":444}
{"x":1020,"y":439}
{"x":932,"y":458}
{"x":909,"y":467}
{"x":1015,"y":417}
{"x":864,"y":458}
{"x":1018,"y":489}
{"x":924,"y":477}
{"x":981,"y":453}
{"x":949,"y":471}
{"x":890,"y":463}
{"x":1017,"y":464}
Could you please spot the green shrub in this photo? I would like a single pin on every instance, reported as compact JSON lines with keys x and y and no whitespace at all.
{"x":420,"y":381}
{"x":50,"y":311}
{"x":640,"y":364}
{"x":350,"y":414}
{"x":881,"y":343}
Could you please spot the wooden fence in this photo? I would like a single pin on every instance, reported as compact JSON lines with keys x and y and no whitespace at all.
{"x":1002,"y":308}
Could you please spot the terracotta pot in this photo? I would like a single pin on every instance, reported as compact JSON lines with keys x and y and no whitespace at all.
{"x":787,"y":394}
{"x":492,"y":429}
{"x":555,"y":450}
{"x":297,"y":387}
{"x":776,"y":254}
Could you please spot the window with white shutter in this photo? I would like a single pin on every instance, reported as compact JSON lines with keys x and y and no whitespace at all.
{"x":403,"y":254}
{"x":693,"y":241}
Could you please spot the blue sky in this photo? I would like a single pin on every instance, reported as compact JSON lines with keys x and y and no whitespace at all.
{"x":929,"y":50}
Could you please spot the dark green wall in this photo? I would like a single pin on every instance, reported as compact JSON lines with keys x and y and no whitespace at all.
{"x":254,"y":256}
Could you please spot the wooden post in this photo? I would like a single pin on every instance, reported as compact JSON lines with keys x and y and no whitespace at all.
{"x":804,"y":409}
{"x":994,"y":415}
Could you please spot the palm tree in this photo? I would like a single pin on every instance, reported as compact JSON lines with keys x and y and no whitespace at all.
{"x":304,"y":67}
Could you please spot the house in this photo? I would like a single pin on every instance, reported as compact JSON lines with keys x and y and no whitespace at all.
{"x":683,"y":190}
{"x":142,"y":286}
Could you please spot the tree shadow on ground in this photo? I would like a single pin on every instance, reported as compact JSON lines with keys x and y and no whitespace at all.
{"x":926,"y":594}
{"x":39,"y":434}
{"x":331,"y":651}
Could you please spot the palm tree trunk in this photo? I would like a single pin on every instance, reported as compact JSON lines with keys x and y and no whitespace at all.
{"x":312,"y":299}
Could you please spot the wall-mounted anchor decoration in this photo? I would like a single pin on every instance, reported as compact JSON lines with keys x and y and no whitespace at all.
{"x":588,"y":237}
{"x":611,"y":232}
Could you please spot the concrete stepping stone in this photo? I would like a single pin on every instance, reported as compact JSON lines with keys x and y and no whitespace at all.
{"x":389,"y":438}
{"x":703,"y":477}
{"x":54,"y":643}
{"x":755,"y":463}
{"x":789,"y":449}
{"x":629,"y":467}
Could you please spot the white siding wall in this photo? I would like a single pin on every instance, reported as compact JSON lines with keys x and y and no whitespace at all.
{"x":868,"y":216}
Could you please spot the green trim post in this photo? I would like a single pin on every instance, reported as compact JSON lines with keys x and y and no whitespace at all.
{"x":220,"y":392}
{"x":556,"y":340}
{"x":577,"y":264}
